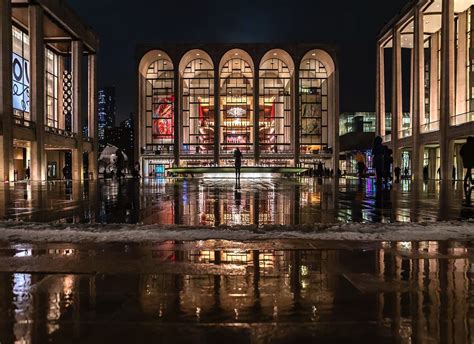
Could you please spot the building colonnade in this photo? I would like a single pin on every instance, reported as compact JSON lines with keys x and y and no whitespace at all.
{"x":44,"y":48}
{"x":430,"y":78}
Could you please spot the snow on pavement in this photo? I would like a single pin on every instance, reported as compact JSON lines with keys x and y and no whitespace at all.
{"x":76,"y":233}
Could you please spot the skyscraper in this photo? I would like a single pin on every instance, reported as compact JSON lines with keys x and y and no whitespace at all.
{"x":106,"y":111}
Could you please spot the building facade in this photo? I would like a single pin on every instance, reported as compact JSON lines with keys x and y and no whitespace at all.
{"x":425,"y":64}
{"x":44,"y":46}
{"x":107,"y":112}
{"x":197,"y":104}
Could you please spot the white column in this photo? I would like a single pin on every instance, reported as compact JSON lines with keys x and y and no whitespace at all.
{"x":461,"y":71}
{"x":447,"y":86}
{"x":380,"y":91}
{"x":418,"y":93}
{"x":6,"y":103}
{"x":92,"y":114}
{"x":37,"y":78}
{"x":396,"y":93}
{"x":77,"y":154}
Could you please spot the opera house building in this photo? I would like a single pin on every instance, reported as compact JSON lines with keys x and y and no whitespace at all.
{"x":198,"y":104}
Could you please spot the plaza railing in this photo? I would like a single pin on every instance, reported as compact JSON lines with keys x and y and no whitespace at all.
{"x":429,"y":127}
{"x":462,"y":118}
{"x":404,"y":133}
{"x":58,"y":131}
{"x":23,"y":122}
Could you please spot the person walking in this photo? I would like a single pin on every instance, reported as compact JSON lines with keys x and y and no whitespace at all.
{"x":387,"y":164}
{"x":27,"y":173}
{"x":377,"y":152}
{"x":360,"y":164}
{"x":467,"y":155}
{"x":238,"y":165}
{"x":398,"y":172}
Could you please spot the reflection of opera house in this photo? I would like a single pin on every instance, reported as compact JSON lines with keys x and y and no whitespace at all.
{"x":279,"y":106}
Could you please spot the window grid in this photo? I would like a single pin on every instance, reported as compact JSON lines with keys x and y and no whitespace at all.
{"x":21,"y":73}
{"x":52,"y":82}
{"x":313,"y":97}
{"x":198,"y":108}
{"x":159,"y":126}
{"x":275,"y":112}
{"x":236,"y":95}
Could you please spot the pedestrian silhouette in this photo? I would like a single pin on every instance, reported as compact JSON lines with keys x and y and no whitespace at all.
{"x":238,"y":165}
{"x":467,"y":155}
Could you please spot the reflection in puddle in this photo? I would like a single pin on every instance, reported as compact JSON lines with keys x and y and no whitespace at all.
{"x":388,"y":291}
{"x":208,"y":202}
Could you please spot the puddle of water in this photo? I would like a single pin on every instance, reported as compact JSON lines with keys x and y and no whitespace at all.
{"x":208,"y":202}
{"x":236,"y":292}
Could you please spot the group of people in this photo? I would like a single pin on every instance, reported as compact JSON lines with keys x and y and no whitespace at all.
{"x":383,"y":160}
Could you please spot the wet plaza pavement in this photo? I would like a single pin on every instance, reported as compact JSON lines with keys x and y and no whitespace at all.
{"x":252,"y":291}
{"x":212,"y":202}
{"x":221,"y":291}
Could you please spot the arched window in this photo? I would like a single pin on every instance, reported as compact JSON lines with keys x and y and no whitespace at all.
{"x":275,"y":107}
{"x":314,"y":102}
{"x":159,"y":107}
{"x":236,"y":105}
{"x":198,"y":107}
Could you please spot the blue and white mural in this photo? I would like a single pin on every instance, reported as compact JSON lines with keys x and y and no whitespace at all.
{"x":21,"y":83}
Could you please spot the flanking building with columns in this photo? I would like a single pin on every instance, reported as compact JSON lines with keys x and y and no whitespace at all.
{"x":425,"y":67}
{"x":46,"y":54}
{"x":278,"y":104}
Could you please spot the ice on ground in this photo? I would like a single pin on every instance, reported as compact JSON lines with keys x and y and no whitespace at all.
{"x":40,"y":232}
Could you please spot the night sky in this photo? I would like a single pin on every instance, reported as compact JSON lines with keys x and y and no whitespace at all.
{"x":350,"y":25}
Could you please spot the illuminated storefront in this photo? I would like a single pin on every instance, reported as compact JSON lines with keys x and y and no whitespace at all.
{"x":278,"y":106}
{"x":44,"y":48}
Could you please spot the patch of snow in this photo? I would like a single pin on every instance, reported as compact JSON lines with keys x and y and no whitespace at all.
{"x":40,"y":232}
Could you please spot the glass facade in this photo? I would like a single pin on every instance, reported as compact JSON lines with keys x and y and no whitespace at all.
{"x":236,"y":102}
{"x":228,"y":102}
{"x":313,"y":98}
{"x":198,"y":108}
{"x":21,"y":74}
{"x":52,"y":82}
{"x":159,"y":120}
{"x":275,"y":108}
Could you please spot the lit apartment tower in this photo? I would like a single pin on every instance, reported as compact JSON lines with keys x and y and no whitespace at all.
{"x":106,"y":112}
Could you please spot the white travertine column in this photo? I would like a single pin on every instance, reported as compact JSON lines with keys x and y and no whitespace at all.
{"x":418,"y":93}
{"x":380,"y":90}
{"x":396,"y":93}
{"x":77,"y":154}
{"x":434,"y":92}
{"x":461,"y":70}
{"x":92,"y":114}
{"x":296,"y":117}
{"x":447,"y":95}
{"x":217,"y":115}
{"x":256,"y":114}
{"x":37,"y":77}
{"x":177,"y":115}
{"x":6,"y":102}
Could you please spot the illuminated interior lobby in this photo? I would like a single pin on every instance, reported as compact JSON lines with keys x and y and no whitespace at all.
{"x":48,"y":73}
{"x":425,"y":68}
{"x":196,"y":105}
